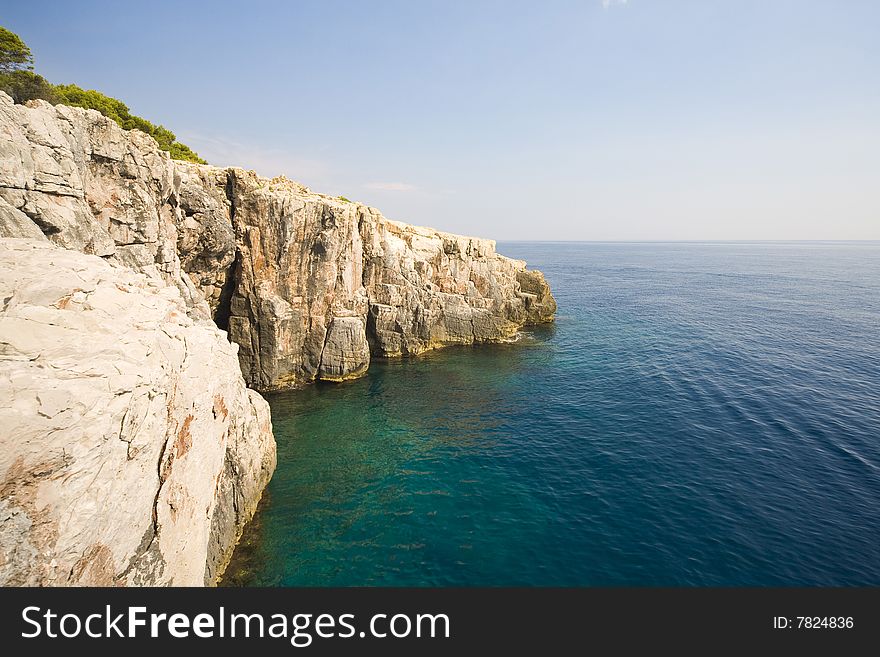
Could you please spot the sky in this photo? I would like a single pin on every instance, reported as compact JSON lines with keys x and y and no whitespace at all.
{"x":558,"y":120}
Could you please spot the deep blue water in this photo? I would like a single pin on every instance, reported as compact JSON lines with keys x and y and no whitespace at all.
{"x":699,"y":414}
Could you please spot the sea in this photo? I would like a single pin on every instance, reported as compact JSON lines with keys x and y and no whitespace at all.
{"x":699,"y":414}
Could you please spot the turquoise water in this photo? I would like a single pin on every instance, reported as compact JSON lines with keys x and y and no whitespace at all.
{"x":699,"y":414}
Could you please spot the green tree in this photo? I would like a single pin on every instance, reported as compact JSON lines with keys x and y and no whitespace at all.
{"x":23,"y":86}
{"x":70,"y":94}
{"x":18,"y":79}
{"x":14,"y":53}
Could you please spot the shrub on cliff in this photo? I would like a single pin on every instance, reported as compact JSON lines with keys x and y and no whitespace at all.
{"x":18,"y":79}
{"x":70,"y":94}
{"x":23,"y":86}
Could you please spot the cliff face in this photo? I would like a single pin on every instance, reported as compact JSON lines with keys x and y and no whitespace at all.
{"x":309,"y":286}
{"x":131,"y":450}
{"x":130,"y":443}
{"x":76,"y":178}
{"x":320,"y":284}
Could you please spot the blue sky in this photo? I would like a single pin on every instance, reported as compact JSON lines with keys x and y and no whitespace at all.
{"x":591,"y":120}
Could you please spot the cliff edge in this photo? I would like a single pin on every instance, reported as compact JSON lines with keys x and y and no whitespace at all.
{"x":139,"y":296}
{"x":319,"y":285}
{"x":309,"y":286}
{"x":132,"y":451}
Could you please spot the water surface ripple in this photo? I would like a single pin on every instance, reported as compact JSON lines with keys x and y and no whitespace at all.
{"x":699,"y":414}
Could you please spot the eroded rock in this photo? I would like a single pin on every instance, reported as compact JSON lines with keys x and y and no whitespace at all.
{"x":346,"y":353}
{"x":270,"y":261}
{"x":132,"y":453}
{"x":88,"y":185}
{"x":307,"y":260}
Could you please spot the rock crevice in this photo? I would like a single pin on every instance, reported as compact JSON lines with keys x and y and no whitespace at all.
{"x":119,"y":415}
{"x":133,"y":452}
{"x":311,"y":263}
{"x":271,"y":262}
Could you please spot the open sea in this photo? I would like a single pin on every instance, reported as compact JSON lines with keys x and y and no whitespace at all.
{"x":699,"y":414}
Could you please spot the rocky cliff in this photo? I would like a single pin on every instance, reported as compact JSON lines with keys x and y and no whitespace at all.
{"x":75,"y":177}
{"x":132,"y":451}
{"x":321,"y":284}
{"x":309,"y":286}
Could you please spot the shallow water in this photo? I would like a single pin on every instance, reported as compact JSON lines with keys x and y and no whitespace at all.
{"x":699,"y":414}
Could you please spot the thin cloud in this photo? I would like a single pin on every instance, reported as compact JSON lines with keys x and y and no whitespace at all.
{"x":267,"y":162}
{"x":608,"y":3}
{"x":390,"y":186}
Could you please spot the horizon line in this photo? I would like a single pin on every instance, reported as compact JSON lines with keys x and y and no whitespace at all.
{"x":692,"y":241}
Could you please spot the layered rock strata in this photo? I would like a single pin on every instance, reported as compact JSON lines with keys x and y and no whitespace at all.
{"x":78,"y":179}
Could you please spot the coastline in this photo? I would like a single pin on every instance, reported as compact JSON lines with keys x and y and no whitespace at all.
{"x":306,"y":287}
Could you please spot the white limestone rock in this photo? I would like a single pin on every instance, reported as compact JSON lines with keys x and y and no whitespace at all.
{"x":131,"y":452}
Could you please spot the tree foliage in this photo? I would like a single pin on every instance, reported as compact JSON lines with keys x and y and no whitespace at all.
{"x":26,"y":85}
{"x":14,"y":53}
{"x":70,"y":94}
{"x":22,"y":84}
